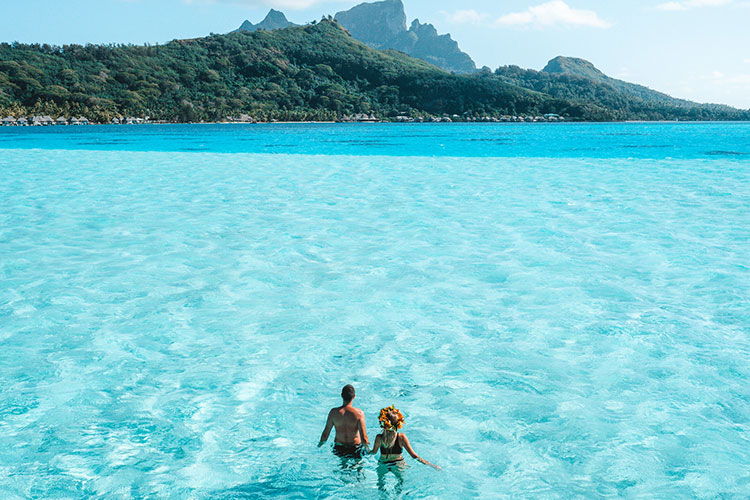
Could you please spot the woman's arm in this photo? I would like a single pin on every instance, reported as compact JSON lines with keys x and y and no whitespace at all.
{"x":413,"y":454}
{"x":375,"y":445}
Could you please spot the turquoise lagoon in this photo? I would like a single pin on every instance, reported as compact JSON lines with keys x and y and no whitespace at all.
{"x":560,"y":310}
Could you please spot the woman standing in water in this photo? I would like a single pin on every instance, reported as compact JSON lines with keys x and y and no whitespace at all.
{"x":390,"y":443}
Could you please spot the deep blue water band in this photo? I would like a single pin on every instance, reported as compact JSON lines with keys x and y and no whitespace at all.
{"x":562,"y":140}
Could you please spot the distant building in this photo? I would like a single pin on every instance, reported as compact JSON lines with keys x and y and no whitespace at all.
{"x":243,"y":118}
{"x":359,"y":117}
{"x":42,"y":121}
{"x":22,"y":121}
{"x":8,"y":121}
{"x":61,"y":121}
{"x":83,"y":120}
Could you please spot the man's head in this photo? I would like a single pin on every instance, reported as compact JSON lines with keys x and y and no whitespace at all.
{"x":347,"y":393}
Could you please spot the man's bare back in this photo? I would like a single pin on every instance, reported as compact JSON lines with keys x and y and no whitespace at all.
{"x":348,"y":421}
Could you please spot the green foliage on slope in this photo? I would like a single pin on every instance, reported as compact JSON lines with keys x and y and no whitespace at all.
{"x":314,"y":72}
{"x":578,"y":80}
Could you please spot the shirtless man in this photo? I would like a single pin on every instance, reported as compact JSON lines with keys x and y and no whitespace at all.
{"x":351,"y":434}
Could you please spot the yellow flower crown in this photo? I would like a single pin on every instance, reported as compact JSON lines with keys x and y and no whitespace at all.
{"x":385,"y":422}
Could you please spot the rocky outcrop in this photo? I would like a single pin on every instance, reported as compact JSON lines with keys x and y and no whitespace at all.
{"x":382,"y":25}
{"x":275,"y":20}
{"x":440,"y":50}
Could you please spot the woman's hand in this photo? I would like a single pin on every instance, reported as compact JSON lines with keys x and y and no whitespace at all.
{"x":436,"y":467}
{"x":413,"y":453}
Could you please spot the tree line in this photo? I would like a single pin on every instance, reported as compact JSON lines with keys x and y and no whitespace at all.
{"x":313,"y":72}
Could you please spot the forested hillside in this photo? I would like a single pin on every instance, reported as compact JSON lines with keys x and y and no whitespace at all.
{"x":300,"y":73}
{"x":313,"y":72}
{"x":579,"y":80}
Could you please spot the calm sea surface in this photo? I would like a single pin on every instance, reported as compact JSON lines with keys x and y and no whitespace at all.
{"x":560,"y":310}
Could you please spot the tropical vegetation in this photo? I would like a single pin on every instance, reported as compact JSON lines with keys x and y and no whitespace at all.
{"x":312,"y":72}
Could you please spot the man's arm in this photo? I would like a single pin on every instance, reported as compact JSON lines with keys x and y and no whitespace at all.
{"x":327,"y":430}
{"x":363,"y":429}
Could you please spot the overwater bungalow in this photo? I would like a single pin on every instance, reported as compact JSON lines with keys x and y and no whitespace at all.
{"x":243,"y":118}
{"x":22,"y":121}
{"x":115,"y":121}
{"x":42,"y":121}
{"x":75,"y":121}
{"x":8,"y":121}
{"x":61,"y":121}
{"x":82,"y":120}
{"x":359,"y":117}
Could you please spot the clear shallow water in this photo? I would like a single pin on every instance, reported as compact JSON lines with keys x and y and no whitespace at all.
{"x":559,"y":140}
{"x":177,"y":324}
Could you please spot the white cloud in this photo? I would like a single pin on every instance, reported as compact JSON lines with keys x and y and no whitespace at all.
{"x":277,"y":4}
{"x":691,"y":4}
{"x":554,"y":13}
{"x":469,"y":16}
{"x":707,"y":3}
{"x":671,"y":6}
{"x":719,"y":78}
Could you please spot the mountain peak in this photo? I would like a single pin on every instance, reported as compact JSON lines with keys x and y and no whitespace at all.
{"x":375,"y":23}
{"x":275,"y":16}
{"x":573,"y":66}
{"x":382,"y":25}
{"x":274,"y":20}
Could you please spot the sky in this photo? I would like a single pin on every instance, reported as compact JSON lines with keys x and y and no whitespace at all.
{"x":692,"y":49}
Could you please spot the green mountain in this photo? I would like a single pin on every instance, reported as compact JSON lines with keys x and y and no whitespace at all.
{"x":313,"y":72}
{"x":382,"y":25}
{"x":274,"y":20}
{"x":580,"y":81}
{"x":573,"y":66}
{"x":576,"y":67}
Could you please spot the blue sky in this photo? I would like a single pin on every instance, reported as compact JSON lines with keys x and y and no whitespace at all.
{"x":695,"y":49}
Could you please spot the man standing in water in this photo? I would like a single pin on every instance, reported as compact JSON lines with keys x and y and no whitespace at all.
{"x":351,"y":434}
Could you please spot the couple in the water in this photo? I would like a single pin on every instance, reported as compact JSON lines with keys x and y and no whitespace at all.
{"x":351,"y":433}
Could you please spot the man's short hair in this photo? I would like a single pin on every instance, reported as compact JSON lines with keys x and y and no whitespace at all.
{"x":347,"y":393}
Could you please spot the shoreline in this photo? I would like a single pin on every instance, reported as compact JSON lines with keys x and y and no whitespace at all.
{"x":383,"y":122}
